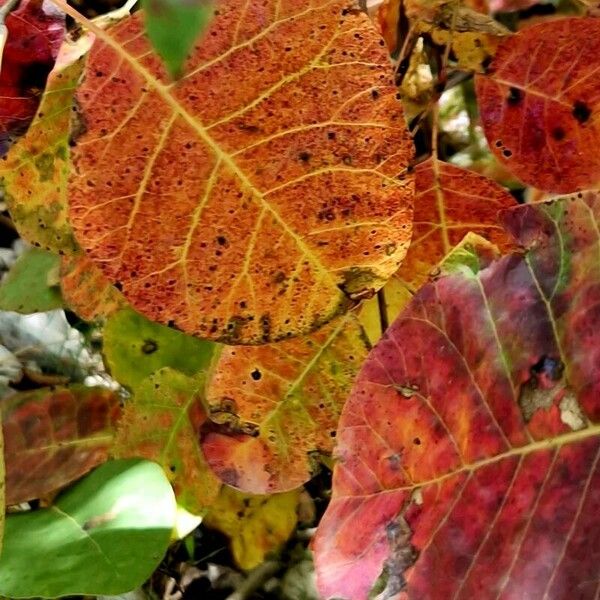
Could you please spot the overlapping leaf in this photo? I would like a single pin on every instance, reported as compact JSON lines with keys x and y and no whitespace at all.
{"x":104,"y":535}
{"x":35,"y":31}
{"x":539,"y":104}
{"x":85,"y":289}
{"x":449,"y":203}
{"x":173,"y":26}
{"x":256,"y":525}
{"x":134,"y":348}
{"x":162,"y":423}
{"x":32,"y":283}
{"x":35,"y":171}
{"x":279,"y":406}
{"x":53,"y":436}
{"x":469,"y":446}
{"x":254,"y":207}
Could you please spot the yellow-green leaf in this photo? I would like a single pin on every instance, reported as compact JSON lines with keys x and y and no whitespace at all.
{"x":162,"y":423}
{"x":34,"y":173}
{"x":256,"y":525}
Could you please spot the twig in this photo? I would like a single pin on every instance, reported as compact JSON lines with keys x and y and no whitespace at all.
{"x":255,"y":579}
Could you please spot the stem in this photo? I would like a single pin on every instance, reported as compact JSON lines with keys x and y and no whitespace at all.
{"x":382,"y":305}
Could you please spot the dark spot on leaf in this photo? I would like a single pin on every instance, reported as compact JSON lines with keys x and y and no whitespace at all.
{"x":515,"y":95}
{"x":581,"y":111}
{"x":149,"y":347}
{"x":549,"y":368}
{"x":256,"y":374}
{"x":558,"y":133}
{"x":304,"y":156}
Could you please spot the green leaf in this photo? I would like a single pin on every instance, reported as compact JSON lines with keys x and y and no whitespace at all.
{"x":135,"y":347}
{"x":173,"y":26}
{"x":32,"y":284}
{"x":105,"y":535}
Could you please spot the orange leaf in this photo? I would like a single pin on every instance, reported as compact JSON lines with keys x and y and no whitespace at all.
{"x":540,"y":101}
{"x":53,"y":436}
{"x":85,"y":289}
{"x":449,"y":203}
{"x":468,"y":449}
{"x":263,"y":193}
{"x":279,"y":405}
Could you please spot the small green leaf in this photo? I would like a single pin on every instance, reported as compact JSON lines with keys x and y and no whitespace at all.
{"x":32,"y":284}
{"x":173,"y":26}
{"x":105,"y":535}
{"x":135,"y":347}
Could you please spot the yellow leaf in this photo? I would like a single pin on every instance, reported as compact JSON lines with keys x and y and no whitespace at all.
{"x":256,"y":525}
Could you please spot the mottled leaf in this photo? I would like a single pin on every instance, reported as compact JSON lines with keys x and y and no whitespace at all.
{"x":34,"y":173}
{"x":258,"y":206}
{"x":449,"y":203}
{"x":135,"y":347}
{"x":35,"y":30}
{"x":32,"y":283}
{"x":103,"y":536}
{"x":256,"y":525}
{"x":52,"y":436}
{"x":162,"y":423}
{"x":85,"y":289}
{"x":278,"y":405}
{"x":539,"y":104}
{"x":468,"y":450}
{"x":173,"y":26}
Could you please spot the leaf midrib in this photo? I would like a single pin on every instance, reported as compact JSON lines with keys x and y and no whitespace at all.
{"x":222,"y":156}
{"x":564,"y":439}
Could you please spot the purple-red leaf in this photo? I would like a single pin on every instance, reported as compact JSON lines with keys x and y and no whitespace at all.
{"x":52,"y":436}
{"x":35,"y":33}
{"x":468,"y":450}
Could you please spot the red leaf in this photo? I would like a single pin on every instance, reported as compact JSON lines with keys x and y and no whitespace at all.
{"x":52,"y":436}
{"x":35,"y":33}
{"x":468,"y":448}
{"x":540,"y":101}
